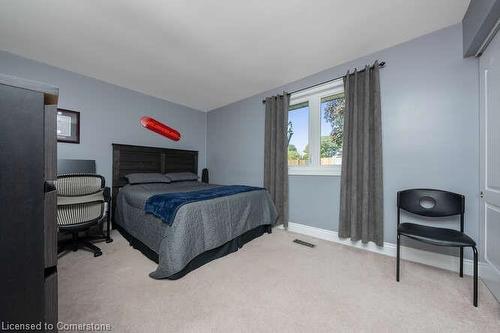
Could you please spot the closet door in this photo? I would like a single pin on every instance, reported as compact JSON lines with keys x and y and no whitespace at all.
{"x":489,"y":65}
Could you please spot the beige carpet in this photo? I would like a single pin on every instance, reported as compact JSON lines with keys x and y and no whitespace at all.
{"x":271,"y":285}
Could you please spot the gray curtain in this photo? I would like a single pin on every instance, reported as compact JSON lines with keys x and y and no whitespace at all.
{"x":276,"y":153}
{"x":361,"y":189}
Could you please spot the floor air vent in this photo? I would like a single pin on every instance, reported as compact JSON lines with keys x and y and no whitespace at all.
{"x":301,"y":242}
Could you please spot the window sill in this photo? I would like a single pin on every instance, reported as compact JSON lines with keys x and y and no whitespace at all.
{"x":326,"y":171}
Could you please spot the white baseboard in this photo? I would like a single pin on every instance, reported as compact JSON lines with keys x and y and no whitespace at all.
{"x":439,"y":260}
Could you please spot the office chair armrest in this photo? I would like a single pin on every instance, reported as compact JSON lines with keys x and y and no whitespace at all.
{"x":107,"y":194}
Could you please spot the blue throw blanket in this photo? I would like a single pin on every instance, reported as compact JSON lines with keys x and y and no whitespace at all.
{"x":165,"y":206}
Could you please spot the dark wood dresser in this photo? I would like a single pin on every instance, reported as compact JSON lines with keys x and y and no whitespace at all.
{"x":28,"y":229}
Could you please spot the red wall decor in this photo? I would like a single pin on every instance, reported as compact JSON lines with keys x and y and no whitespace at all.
{"x":162,"y":129}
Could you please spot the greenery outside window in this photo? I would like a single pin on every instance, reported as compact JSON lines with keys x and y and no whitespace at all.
{"x":315,"y":130}
{"x":298,"y":134}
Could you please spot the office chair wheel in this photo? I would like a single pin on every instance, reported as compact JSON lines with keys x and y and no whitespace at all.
{"x":97,"y":254}
{"x":109,"y":240}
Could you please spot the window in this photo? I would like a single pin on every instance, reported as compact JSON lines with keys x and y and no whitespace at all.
{"x":332,"y":129}
{"x":298,"y":135}
{"x":315,"y":130}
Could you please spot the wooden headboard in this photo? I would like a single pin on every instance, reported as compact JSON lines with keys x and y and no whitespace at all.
{"x":139,"y":159}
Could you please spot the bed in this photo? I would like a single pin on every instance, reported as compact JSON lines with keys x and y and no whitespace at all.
{"x":201,"y":231}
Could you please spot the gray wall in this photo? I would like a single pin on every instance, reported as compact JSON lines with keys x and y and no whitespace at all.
{"x":430,"y":132}
{"x":110,"y":114}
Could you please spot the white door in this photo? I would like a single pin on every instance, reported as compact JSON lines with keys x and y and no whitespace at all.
{"x":489,"y":66}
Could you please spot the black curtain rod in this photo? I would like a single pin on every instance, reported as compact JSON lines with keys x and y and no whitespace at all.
{"x":380,"y":65}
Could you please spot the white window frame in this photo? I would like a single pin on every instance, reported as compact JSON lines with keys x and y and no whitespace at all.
{"x":313,"y":97}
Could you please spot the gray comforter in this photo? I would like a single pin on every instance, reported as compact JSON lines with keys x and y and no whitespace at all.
{"x":198,"y":226}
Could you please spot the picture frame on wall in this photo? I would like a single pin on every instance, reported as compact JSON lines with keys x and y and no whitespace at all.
{"x":68,"y":126}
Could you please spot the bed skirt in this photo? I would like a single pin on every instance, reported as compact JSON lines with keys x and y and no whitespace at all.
{"x":203,"y":258}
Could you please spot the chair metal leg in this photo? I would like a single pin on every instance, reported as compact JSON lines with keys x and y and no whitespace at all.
{"x":397,"y":258}
{"x":97,"y":251}
{"x":475,"y":275}
{"x":108,"y":228}
{"x":76,"y":243}
{"x":461,"y":262}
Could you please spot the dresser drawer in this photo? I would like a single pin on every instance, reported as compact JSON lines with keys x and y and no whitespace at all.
{"x":51,"y":300}
{"x":50,"y":228}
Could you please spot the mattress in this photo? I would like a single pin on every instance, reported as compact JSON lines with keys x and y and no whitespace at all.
{"x":198,"y":227}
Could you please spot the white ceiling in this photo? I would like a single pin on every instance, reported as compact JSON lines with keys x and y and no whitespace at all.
{"x":209,"y":53}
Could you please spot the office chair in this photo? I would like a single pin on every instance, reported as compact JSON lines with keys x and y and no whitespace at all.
{"x":82,"y":202}
{"x":435,"y":203}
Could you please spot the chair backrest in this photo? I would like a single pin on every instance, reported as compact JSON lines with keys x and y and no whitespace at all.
{"x":80,"y":199}
{"x":79,"y":184}
{"x":432,"y":203}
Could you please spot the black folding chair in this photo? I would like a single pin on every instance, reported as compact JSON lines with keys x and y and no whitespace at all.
{"x":435,"y":203}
